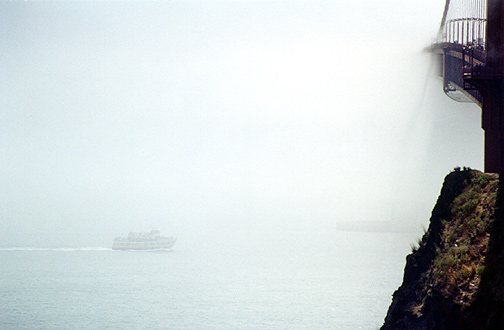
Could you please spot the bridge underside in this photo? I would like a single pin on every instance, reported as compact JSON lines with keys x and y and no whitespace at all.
{"x":453,"y":58}
{"x":471,"y":46}
{"x":467,"y":78}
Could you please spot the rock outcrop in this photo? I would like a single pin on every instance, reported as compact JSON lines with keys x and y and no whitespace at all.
{"x":454,"y":278}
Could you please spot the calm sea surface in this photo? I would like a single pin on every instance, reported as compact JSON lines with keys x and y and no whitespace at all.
{"x":341,"y":282}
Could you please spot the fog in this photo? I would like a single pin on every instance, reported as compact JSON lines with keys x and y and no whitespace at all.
{"x":222,"y":121}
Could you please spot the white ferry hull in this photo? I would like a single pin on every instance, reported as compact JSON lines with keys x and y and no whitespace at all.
{"x":141,"y":246}
{"x":144,"y":241}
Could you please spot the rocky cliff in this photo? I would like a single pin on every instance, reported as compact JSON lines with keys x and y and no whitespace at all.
{"x":454,"y":278}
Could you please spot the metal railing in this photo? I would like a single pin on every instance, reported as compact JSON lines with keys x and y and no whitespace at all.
{"x":466,"y":31}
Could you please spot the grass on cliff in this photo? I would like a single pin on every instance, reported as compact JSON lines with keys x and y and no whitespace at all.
{"x":461,"y":254}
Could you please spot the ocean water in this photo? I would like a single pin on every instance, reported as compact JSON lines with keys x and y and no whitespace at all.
{"x":343,"y":281}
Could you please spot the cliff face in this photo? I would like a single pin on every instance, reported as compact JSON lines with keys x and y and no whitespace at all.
{"x":454,"y":279}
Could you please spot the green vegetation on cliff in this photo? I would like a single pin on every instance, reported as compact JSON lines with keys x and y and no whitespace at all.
{"x":450,"y":277}
{"x":464,"y":242}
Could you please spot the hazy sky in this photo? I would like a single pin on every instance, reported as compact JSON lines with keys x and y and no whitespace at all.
{"x":213,"y":119}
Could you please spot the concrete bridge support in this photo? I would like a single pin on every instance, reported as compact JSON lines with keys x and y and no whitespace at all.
{"x":493,"y":125}
{"x":490,"y":82}
{"x":493,"y":92}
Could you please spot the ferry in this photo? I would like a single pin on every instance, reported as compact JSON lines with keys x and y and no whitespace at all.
{"x":144,"y":241}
